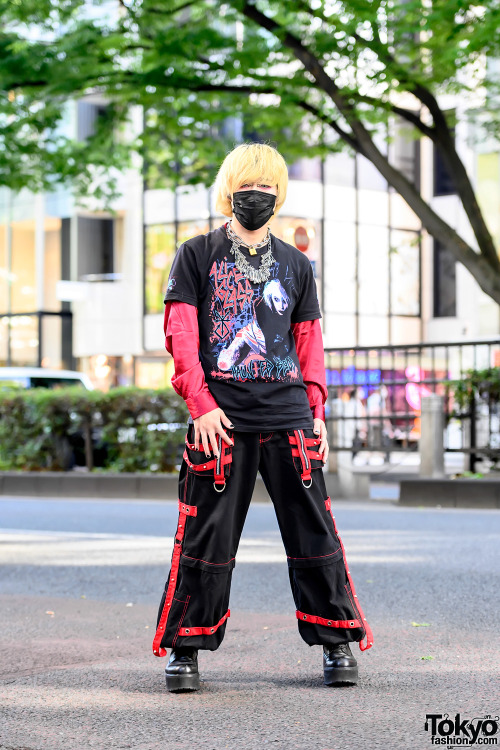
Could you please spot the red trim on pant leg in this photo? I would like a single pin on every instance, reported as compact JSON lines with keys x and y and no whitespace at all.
{"x":264,"y":440}
{"x":357,"y":608}
{"x":329,"y":623}
{"x":314,"y":557}
{"x":174,"y":570}
{"x":206,"y":561}
{"x":180,"y":621}
{"x":204,"y":631}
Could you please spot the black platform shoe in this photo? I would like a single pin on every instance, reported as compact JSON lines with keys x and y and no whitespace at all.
{"x":339,"y":665}
{"x":181,"y":672}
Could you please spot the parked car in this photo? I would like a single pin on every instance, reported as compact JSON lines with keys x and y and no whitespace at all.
{"x":72,"y":446}
{"x":42,"y":377}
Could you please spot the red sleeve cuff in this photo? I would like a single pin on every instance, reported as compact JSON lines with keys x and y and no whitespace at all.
{"x":318,"y":412}
{"x":201,"y":403}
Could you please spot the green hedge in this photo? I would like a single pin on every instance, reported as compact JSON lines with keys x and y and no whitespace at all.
{"x":127,"y":429}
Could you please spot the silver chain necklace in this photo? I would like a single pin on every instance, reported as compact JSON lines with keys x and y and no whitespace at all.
{"x":256,"y":275}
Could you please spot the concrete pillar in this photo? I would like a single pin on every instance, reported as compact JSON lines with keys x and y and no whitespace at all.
{"x":432,"y":439}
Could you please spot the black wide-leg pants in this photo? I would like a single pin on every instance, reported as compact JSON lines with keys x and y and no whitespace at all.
{"x":214,"y":496}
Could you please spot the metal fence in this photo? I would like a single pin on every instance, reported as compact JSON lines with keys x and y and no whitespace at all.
{"x":374,"y":397}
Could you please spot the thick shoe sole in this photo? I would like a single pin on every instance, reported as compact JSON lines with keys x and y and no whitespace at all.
{"x":341,"y":676}
{"x":181,"y":682}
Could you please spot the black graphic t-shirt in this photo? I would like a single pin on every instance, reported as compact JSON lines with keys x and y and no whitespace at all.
{"x":247,"y":349}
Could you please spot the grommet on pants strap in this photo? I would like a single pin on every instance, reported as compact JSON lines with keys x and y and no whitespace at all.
{"x":329,"y":623}
{"x":305,"y":454}
{"x":315,"y":561}
{"x":194,"y":630}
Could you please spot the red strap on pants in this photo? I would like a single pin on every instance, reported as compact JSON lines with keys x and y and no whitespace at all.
{"x":357,"y":606}
{"x":184,"y":510}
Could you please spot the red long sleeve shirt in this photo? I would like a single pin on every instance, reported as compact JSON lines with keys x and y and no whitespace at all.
{"x":182,"y":341}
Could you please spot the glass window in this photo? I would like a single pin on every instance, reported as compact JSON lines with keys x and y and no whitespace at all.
{"x":373,"y":270}
{"x":51,"y":342}
{"x":4,"y":271}
{"x":95,"y":246}
{"x":24,"y":340}
{"x":368,"y":175}
{"x":402,"y":216}
{"x":404,"y":150}
{"x":340,"y":269}
{"x":339,"y":169}
{"x":160,"y":251}
{"x":373,"y":330}
{"x":341,"y":331}
{"x":23,"y":287}
{"x":405,"y":330}
{"x":188,"y":229}
{"x":88,"y":114}
{"x":192,"y":202}
{"x":340,"y":203}
{"x":405,"y":273}
{"x":445,"y":293}
{"x":305,"y":235}
{"x":153,"y":374}
{"x":443,"y":183}
{"x":52,"y":264}
{"x":305,"y":169}
{"x":373,"y":207}
{"x":488,"y":191}
{"x":4,"y":341}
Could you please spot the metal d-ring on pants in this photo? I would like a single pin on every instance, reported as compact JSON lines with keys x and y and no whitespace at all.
{"x":214,"y":496}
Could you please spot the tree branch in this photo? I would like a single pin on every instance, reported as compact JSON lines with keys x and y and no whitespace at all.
{"x":480,"y":266}
{"x":347,"y":137}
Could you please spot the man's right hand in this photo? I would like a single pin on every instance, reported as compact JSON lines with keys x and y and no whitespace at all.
{"x":208,"y":426}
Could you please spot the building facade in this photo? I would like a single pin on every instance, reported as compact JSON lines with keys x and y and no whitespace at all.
{"x":83,"y":289}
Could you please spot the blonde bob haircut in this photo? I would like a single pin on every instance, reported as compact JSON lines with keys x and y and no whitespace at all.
{"x":250,"y":162}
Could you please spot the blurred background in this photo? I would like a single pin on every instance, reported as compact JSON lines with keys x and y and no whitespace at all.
{"x":116,"y":117}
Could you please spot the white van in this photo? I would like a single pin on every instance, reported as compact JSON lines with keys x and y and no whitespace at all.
{"x":42,"y":377}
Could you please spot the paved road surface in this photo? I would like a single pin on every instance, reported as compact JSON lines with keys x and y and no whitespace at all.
{"x":80,"y":585}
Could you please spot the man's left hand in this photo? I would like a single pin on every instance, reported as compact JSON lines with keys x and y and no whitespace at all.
{"x":320,"y":429}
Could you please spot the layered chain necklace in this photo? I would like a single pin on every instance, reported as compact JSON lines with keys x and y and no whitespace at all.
{"x":256,"y":275}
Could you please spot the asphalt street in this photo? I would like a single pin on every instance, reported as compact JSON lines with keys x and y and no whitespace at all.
{"x":80,"y":586}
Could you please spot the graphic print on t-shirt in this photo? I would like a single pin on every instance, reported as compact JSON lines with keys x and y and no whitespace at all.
{"x":245,"y":330}
{"x":246,"y":337}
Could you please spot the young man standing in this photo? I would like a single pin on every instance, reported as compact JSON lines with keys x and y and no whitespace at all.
{"x":242,"y":323}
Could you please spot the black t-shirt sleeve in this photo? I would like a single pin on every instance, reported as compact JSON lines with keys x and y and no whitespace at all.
{"x":183,"y":280}
{"x":307,"y":306}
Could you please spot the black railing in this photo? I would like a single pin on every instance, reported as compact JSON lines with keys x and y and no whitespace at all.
{"x":374,"y":396}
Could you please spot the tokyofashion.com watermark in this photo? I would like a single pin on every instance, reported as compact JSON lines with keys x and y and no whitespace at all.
{"x":449,"y":732}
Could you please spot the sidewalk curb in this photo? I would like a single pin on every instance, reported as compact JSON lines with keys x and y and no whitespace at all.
{"x":108,"y":486}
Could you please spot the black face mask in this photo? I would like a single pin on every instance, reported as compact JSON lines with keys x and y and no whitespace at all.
{"x":253,"y":208}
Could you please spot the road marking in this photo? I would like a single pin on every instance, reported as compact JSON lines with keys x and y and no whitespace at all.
{"x":62,"y":548}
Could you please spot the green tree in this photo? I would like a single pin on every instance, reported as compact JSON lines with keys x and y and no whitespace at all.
{"x":312,"y":75}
